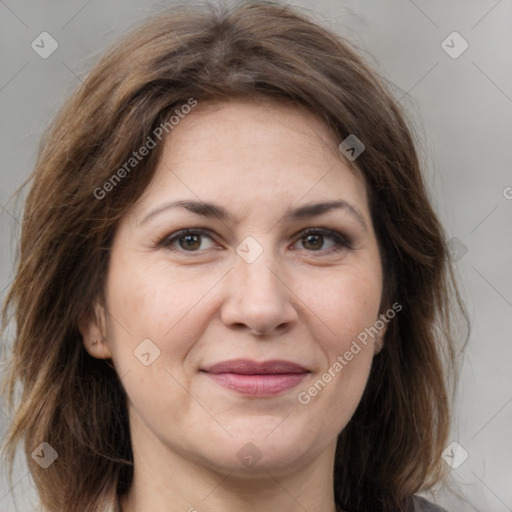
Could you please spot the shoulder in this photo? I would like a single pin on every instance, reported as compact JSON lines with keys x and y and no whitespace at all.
{"x":423,"y":505}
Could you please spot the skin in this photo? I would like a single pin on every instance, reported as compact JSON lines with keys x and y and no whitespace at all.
{"x":297,"y":301}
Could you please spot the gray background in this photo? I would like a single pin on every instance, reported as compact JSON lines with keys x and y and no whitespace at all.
{"x":461,"y":108}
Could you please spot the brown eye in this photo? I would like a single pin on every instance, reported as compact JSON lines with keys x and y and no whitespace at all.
{"x":187,"y":240}
{"x":190,"y":242}
{"x":313,"y":240}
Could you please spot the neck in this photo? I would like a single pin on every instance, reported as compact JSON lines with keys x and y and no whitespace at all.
{"x":176,"y":484}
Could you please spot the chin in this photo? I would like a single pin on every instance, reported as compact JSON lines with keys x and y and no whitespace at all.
{"x":257,"y":451}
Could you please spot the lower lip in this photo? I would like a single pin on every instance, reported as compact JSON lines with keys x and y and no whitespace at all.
{"x":258,"y":385}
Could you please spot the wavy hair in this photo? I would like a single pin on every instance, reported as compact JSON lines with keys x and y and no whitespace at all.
{"x":392,"y":446}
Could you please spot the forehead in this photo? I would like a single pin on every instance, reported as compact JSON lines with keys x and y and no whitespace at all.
{"x":246,"y":123}
{"x":243,"y":151}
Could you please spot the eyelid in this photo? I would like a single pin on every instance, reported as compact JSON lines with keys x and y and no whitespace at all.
{"x":342,"y":241}
{"x":340,"y":238}
{"x":176,"y":235}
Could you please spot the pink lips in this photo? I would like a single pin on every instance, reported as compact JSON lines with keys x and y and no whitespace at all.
{"x":267,"y":378}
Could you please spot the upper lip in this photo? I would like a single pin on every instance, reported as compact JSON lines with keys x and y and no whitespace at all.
{"x":248,"y":367}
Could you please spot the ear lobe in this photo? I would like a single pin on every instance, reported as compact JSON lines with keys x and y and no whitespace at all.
{"x":379,"y":343}
{"x":379,"y":339}
{"x":93,"y":329}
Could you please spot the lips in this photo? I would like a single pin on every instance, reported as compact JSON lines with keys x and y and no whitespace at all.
{"x":251,"y":378}
{"x":247,"y":367}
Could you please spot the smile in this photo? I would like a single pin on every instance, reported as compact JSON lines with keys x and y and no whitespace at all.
{"x":258,"y":385}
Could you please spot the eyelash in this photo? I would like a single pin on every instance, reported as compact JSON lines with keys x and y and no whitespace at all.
{"x":340,"y":241}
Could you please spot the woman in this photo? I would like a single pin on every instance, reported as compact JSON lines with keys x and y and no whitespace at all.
{"x":233,"y":292}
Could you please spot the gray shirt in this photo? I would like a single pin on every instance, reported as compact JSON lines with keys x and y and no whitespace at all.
{"x":423,"y":505}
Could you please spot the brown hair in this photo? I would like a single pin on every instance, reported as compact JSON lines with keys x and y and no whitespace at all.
{"x":392,"y":446}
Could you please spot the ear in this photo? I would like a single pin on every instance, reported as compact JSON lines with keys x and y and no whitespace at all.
{"x":92,"y":326}
{"x":379,"y":339}
{"x":379,"y":342}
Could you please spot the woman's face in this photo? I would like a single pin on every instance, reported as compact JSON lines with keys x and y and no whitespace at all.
{"x":245,"y":283}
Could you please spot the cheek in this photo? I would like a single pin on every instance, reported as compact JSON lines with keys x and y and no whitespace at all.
{"x":146,"y":302}
{"x":346,"y":303}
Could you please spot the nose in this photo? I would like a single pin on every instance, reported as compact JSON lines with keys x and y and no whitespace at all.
{"x":259,"y":298}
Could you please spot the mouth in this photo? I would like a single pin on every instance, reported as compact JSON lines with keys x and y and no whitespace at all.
{"x":267,"y":378}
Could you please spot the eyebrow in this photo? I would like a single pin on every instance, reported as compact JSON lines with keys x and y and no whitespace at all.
{"x":292,"y":214}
